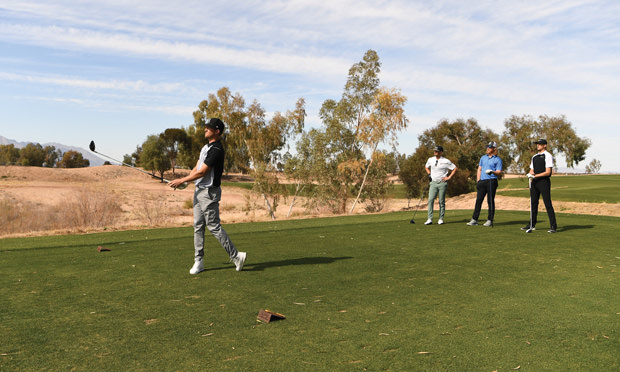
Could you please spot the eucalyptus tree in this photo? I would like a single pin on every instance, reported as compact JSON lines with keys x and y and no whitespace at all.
{"x":521,"y":131}
{"x":73,"y":159}
{"x":153,"y":155}
{"x":464,"y":142}
{"x":174,"y":140}
{"x":382,"y":124}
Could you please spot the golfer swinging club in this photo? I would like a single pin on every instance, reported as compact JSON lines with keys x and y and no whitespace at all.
{"x":541,"y":168}
{"x":208,"y":176}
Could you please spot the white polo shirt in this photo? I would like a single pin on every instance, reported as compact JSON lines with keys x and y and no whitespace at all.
{"x":440,"y":168}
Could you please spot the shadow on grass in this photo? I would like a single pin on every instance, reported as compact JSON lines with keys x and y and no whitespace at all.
{"x":575,"y":227}
{"x":292,"y":262}
{"x":510,"y":223}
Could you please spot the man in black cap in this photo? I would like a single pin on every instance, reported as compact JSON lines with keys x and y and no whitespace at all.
{"x":437,"y":168}
{"x":489,"y":167}
{"x":541,"y":168}
{"x":208,"y":176}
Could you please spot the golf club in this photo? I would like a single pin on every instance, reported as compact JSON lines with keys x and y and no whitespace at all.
{"x":92,"y":148}
{"x":530,"y":229}
{"x":491,"y":199}
{"x":420,"y":201}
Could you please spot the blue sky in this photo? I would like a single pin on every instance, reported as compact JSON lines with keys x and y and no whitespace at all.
{"x":116,"y":71}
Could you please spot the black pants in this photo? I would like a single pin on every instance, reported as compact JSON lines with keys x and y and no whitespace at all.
{"x":485,"y":188}
{"x":542,"y":186}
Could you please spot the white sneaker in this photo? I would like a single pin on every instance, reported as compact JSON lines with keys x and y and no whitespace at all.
{"x":488,"y":223}
{"x":198,"y":267}
{"x":440,"y":222}
{"x":472,"y":222}
{"x":239,"y":260}
{"x":428,"y":222}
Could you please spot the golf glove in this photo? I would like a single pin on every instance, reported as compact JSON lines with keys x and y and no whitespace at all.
{"x":488,"y":171}
{"x":430,"y":179}
{"x":530,"y":176}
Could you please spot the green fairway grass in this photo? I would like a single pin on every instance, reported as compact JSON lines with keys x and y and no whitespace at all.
{"x":588,"y":189}
{"x":359,"y":293}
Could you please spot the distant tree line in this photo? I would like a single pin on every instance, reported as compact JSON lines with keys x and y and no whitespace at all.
{"x":340,"y":163}
{"x":35,"y":155}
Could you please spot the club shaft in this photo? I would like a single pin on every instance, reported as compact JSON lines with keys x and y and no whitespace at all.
{"x":132,"y":167}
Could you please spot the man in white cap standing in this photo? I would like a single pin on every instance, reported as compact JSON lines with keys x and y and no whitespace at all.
{"x":437,"y":167}
{"x":489,"y":168}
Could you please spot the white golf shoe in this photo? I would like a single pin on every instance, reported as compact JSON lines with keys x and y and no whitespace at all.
{"x":472,"y":223}
{"x":239,"y":260}
{"x":428,"y":222}
{"x":440,"y":222}
{"x":198,"y":267}
{"x":488,"y":223}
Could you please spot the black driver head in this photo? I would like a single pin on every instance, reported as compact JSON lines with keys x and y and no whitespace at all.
{"x":92,"y":145}
{"x":412,"y":221}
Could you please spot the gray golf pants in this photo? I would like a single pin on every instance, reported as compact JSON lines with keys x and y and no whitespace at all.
{"x":207,"y":215}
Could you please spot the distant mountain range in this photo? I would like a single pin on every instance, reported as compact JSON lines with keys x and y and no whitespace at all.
{"x":92,"y":158}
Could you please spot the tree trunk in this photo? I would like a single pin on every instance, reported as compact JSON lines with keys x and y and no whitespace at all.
{"x":273,"y":216}
{"x":297,"y":190}
{"x":365,"y":176}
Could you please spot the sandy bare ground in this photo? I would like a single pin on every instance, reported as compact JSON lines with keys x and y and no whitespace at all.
{"x":145,"y":202}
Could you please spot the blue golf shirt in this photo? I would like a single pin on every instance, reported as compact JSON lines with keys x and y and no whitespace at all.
{"x":493,"y":163}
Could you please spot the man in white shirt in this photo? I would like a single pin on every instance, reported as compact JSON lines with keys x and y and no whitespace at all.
{"x":437,"y":168}
{"x":541,"y":169}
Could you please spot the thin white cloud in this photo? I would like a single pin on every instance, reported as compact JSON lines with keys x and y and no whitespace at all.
{"x":136,"y":86}
{"x":98,"y":42}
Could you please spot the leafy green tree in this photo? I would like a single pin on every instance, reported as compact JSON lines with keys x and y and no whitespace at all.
{"x":378,"y":181}
{"x":253,"y":143}
{"x":9,"y":154}
{"x":521,"y":131}
{"x":153,"y":156}
{"x":51,"y":156}
{"x":464,"y":143}
{"x":593,"y":167}
{"x":32,"y":155}
{"x":174,"y":139}
{"x":231,"y":109}
{"x":385,"y":119}
{"x":337,"y":149}
{"x":127,"y":159}
{"x":320,"y":154}
{"x":412,"y":174}
{"x":264,"y":140}
{"x":338,"y":158}
{"x":73,"y":159}
{"x":134,"y":158}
